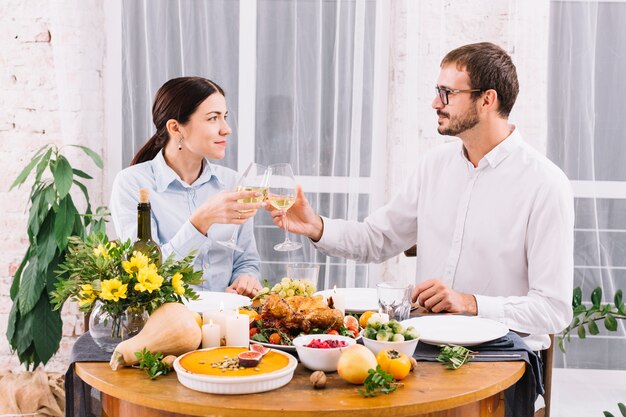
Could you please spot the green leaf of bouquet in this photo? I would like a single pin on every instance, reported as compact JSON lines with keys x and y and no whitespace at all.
{"x":25,"y":172}
{"x":577,"y":297}
{"x":593,"y":328}
{"x":622,"y":408}
{"x":47,"y":329}
{"x":64,"y":221}
{"x":607,"y":414}
{"x":581,"y":332}
{"x":610,"y":323}
{"x":596,"y":297}
{"x":579,"y":309}
{"x":93,"y":155}
{"x":33,"y":283}
{"x":62,"y":173}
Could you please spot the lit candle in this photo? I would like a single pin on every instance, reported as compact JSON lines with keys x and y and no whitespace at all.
{"x":339,"y":300}
{"x":210,"y":335}
{"x":237,"y":330}
{"x":217,"y":316}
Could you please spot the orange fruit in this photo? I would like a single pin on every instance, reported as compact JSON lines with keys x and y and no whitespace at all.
{"x":365,"y":318}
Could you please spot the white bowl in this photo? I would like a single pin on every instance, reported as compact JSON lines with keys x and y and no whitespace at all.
{"x":317,"y":359}
{"x":236,"y":385}
{"x":407,"y":347}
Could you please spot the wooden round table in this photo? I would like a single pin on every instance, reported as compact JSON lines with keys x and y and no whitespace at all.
{"x":432,"y":391}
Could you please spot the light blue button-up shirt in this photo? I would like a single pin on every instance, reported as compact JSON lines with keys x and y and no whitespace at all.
{"x":173,"y":201}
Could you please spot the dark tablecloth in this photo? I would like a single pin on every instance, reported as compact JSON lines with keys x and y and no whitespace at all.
{"x":78,"y":393}
{"x":520,"y":398}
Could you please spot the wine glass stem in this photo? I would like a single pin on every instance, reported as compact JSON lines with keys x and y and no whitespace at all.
{"x":232,"y":238}
{"x":286,"y":228}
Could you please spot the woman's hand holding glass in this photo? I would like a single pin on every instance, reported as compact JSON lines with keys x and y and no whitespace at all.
{"x":226,"y":207}
{"x":254,"y":180}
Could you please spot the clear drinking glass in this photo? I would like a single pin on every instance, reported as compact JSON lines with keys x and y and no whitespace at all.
{"x":303,"y":271}
{"x":282,"y":195}
{"x":254,"y":178}
{"x":394,"y":298}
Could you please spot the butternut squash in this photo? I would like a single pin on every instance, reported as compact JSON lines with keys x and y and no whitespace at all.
{"x":171,"y":329}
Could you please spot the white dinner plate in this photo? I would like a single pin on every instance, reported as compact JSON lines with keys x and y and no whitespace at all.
{"x":210,"y":299}
{"x":358,"y":300}
{"x":457,"y":330}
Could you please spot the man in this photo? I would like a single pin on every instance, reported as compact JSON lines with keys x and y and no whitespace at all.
{"x":492,"y":218}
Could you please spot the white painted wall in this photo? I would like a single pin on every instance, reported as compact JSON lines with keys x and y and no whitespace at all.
{"x":51,"y":90}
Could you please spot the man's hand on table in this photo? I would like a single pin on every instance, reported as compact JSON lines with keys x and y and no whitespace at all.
{"x":437,"y":297}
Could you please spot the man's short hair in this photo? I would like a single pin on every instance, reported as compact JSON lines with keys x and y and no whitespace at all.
{"x":488,"y":67}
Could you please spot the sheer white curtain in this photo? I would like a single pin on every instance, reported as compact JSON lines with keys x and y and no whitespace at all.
{"x":312,"y":93}
{"x":586,"y":137}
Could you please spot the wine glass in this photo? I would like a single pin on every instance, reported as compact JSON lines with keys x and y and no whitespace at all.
{"x":254,"y":178}
{"x":282,"y":195}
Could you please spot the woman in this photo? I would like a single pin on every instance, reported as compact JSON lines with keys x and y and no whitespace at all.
{"x":190,"y":208}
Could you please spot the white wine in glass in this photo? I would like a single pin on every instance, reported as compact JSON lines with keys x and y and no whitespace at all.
{"x":254,"y":178}
{"x":282,"y":195}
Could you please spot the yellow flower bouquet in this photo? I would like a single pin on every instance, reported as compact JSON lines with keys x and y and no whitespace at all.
{"x":117,"y":279}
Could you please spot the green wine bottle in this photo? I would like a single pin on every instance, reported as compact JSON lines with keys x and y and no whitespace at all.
{"x":144,"y":242}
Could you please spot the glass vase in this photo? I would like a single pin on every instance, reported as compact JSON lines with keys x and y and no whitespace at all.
{"x":108,"y":330}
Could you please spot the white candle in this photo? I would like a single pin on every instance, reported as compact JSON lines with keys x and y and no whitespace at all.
{"x":218,"y":316}
{"x":339,"y":300}
{"x":237,"y":330}
{"x":210,"y":335}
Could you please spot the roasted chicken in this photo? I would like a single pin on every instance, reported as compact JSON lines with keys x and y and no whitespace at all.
{"x":294,"y":315}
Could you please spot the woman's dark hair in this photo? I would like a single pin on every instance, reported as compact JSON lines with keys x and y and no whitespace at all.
{"x":488,"y":67}
{"x":177,"y":99}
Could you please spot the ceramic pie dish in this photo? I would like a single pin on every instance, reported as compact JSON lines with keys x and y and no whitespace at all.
{"x":194,"y":370}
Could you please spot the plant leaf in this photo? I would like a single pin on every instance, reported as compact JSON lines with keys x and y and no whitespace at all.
{"x":15,"y":285}
{"x":622,"y":408}
{"x":63,"y":176}
{"x":13,"y":317}
{"x":43,"y":163}
{"x":33,"y":283}
{"x":64,"y":222}
{"x":593,"y":328}
{"x":581,"y":332}
{"x":93,"y":155}
{"x":23,"y":333}
{"x":577,"y":297}
{"x":610,"y":323}
{"x":596,"y":297}
{"x":81,"y":174}
{"x":46,"y":243}
{"x":607,"y":414}
{"x":617,"y":299}
{"x":25,"y":172}
{"x":47,"y":329}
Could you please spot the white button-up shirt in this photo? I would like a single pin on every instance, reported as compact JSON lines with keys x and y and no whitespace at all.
{"x":502,"y":231}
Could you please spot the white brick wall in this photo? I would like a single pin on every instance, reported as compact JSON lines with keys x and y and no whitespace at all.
{"x":50,"y":92}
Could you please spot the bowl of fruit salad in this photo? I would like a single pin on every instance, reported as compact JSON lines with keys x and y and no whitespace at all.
{"x":379,"y":335}
{"x":320,"y":352}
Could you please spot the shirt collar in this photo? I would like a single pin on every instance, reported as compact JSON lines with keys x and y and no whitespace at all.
{"x":499,"y":153}
{"x":165,"y":175}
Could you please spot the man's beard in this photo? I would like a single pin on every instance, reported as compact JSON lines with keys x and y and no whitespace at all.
{"x":458,"y":124}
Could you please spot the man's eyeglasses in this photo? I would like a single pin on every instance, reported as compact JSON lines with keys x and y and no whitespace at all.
{"x":443,"y":93}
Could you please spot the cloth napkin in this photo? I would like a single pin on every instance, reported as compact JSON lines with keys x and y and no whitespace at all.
{"x":520,"y":398}
{"x":77,"y":392}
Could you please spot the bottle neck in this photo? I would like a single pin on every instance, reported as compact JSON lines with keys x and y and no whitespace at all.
{"x":144,"y":224}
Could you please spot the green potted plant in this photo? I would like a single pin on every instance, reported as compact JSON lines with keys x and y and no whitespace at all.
{"x":586,"y":318}
{"x":34,"y":329}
